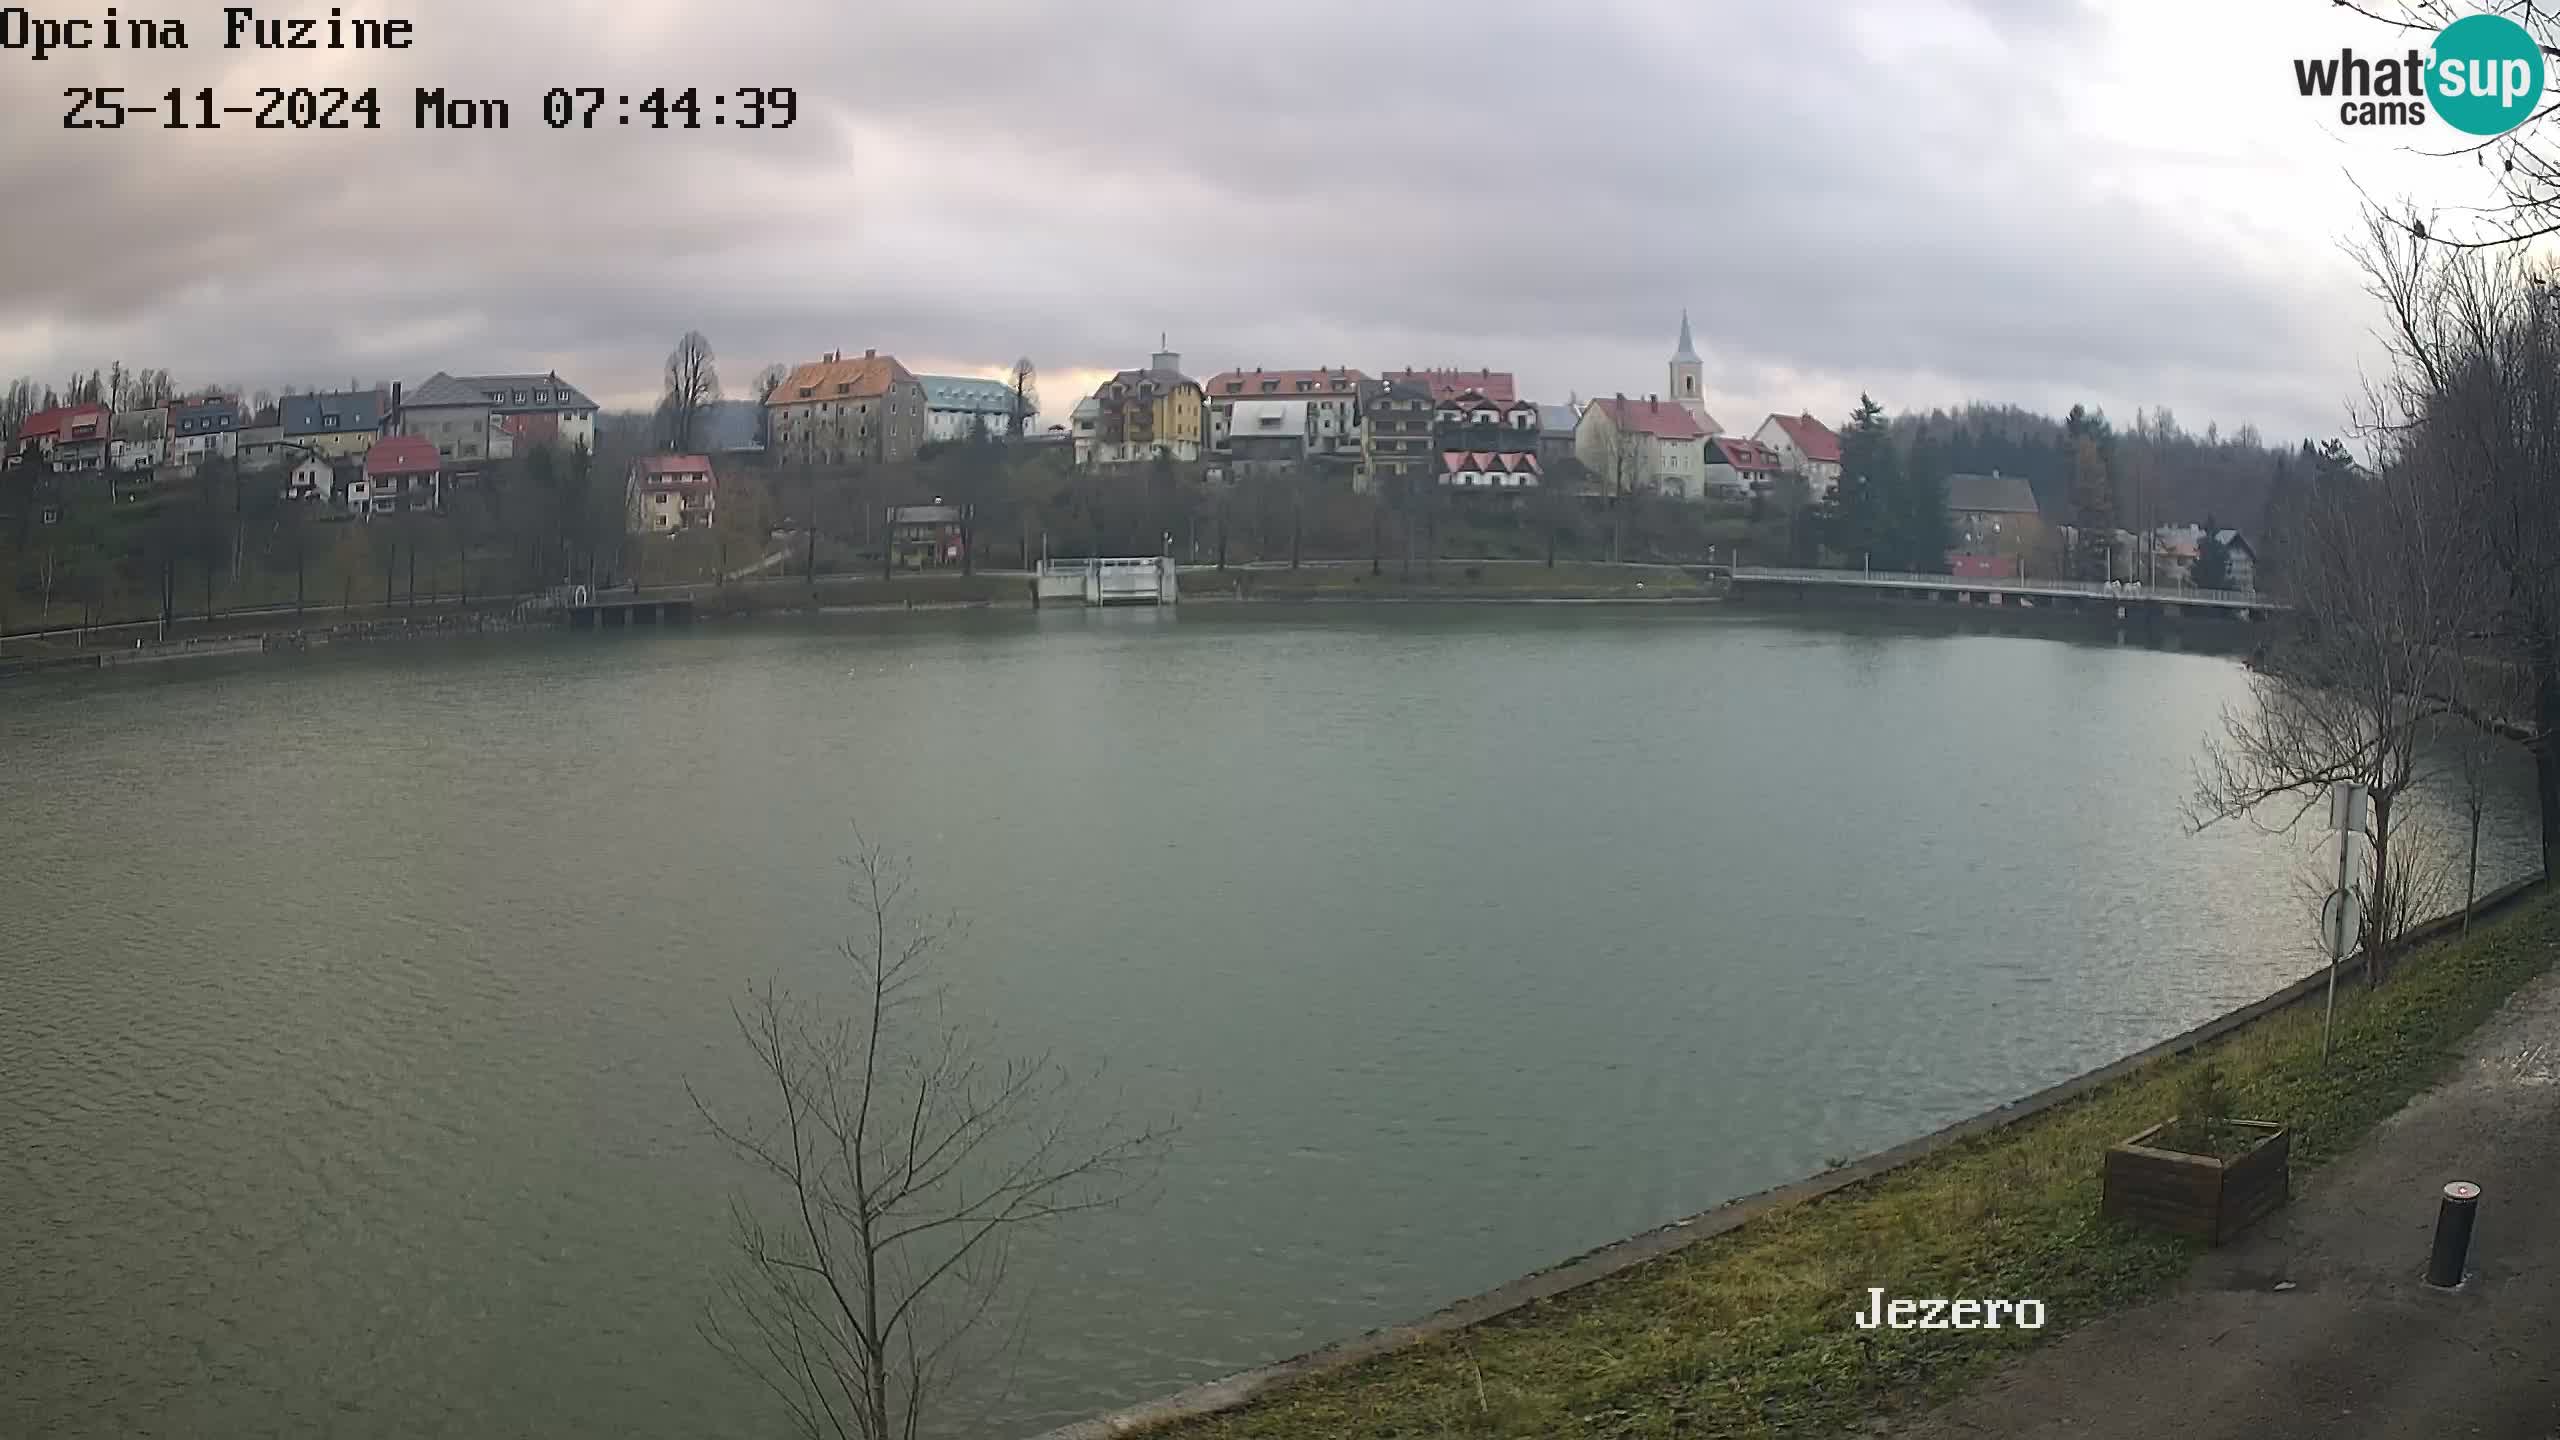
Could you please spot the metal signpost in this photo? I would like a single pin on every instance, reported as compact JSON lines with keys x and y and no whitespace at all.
{"x":2342,"y":913}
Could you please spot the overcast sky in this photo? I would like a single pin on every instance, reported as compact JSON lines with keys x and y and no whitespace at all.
{"x":1932,"y":200}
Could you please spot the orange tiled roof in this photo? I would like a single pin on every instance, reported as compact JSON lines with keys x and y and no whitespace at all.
{"x":865,"y":378}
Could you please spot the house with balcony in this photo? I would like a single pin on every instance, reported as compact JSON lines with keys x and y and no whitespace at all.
{"x":1395,"y":436}
{"x":1141,"y":416}
{"x":65,"y":440}
{"x":1739,"y":468}
{"x":840,"y":411}
{"x":1489,"y":469}
{"x":204,"y":428}
{"x":1485,"y":442}
{"x":1268,"y":437}
{"x":402,"y":473}
{"x":137,"y":441}
{"x":668,"y":493}
{"x":1331,"y":399}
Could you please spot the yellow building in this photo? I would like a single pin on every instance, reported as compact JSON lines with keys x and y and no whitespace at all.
{"x":1147,"y":414}
{"x":338,"y":426}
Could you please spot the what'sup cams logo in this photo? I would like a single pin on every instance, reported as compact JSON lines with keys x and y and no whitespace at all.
{"x":2482,"y":76}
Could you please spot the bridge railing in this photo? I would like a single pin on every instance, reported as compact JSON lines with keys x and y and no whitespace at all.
{"x":2012,"y":585}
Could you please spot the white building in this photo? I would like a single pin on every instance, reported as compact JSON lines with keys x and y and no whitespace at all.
{"x":1806,"y":446}
{"x":311,"y":478}
{"x":1088,"y":414}
{"x":1331,"y":398}
{"x":1641,"y":447}
{"x":958,"y":407}
{"x":202,"y":429}
{"x":472,"y":418}
{"x":138,"y":440}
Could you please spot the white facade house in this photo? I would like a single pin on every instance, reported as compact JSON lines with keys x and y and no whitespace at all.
{"x":203,"y":429}
{"x":958,"y":407}
{"x":1806,"y":446}
{"x":1331,"y":398}
{"x":311,"y":478}
{"x":1648,"y":446}
{"x":1088,"y":414}
{"x":138,"y":440}
{"x":1489,"y":469}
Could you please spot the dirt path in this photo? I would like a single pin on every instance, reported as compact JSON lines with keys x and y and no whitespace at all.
{"x":2359,"y":1346}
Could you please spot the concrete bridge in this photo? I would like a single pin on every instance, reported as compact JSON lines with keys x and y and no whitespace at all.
{"x":2057,"y":595}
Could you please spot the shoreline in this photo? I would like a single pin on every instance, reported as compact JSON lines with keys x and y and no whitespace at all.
{"x":1201,"y":1408}
{"x":1319,"y":585}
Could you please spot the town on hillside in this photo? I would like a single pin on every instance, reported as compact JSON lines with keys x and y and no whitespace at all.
{"x":861,"y":463}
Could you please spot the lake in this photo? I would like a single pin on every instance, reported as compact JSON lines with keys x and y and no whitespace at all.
{"x":348,"y":1003}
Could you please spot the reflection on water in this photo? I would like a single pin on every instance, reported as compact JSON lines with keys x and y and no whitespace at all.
{"x":347,"y":1005}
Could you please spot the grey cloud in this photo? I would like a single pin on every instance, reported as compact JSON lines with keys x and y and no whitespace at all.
{"x":1501,"y":182}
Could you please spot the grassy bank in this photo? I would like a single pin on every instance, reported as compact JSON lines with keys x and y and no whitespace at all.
{"x":1449,"y":579}
{"x":1749,"y":1333}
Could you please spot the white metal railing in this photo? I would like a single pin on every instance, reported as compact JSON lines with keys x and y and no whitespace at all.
{"x":1908,"y":580}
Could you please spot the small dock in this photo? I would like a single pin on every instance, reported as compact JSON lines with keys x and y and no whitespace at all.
{"x":613,"y":612}
{"x":1143,"y":580}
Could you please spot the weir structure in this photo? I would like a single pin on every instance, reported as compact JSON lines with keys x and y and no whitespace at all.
{"x":1142,"y":580}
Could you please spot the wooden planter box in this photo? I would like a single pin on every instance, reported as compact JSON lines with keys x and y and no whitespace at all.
{"x":2197,"y":1195}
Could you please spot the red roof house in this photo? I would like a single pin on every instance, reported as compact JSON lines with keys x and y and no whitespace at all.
{"x":1661,"y":419}
{"x":670,"y":492}
{"x":400,"y":455}
{"x":64,"y":424}
{"x":1495,"y":385}
{"x":1811,"y":437}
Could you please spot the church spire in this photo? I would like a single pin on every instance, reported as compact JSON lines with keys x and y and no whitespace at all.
{"x":1689,"y":378}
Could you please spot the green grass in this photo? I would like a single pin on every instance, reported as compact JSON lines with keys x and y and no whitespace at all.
{"x":1749,"y":1333}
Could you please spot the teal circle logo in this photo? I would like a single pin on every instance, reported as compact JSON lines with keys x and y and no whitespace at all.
{"x":2486,"y":78}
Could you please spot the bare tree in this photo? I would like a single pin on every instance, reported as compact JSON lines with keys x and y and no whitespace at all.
{"x":693,"y":386}
{"x":2475,"y":343}
{"x":1026,"y":396}
{"x":2383,"y":597}
{"x":897,"y":1162}
{"x":768,"y":380}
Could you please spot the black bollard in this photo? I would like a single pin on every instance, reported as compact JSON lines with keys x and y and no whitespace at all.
{"x":2454,"y":1218}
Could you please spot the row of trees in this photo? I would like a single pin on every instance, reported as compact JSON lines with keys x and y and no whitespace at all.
{"x":2427,"y":584}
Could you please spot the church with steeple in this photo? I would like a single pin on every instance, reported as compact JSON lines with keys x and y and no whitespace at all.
{"x":1688,"y":378}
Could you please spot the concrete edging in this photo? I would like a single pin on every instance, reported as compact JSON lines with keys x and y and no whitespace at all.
{"x":1233,"y":1391}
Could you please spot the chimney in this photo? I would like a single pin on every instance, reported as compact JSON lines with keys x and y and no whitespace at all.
{"x":870,"y":354}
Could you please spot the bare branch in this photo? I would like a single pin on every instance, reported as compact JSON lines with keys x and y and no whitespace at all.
{"x":905,"y":1160}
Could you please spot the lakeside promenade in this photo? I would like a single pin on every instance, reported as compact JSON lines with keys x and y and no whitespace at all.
{"x":2356,"y":1344}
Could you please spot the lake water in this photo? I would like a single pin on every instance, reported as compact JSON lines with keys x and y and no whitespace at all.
{"x":348,"y":1004}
